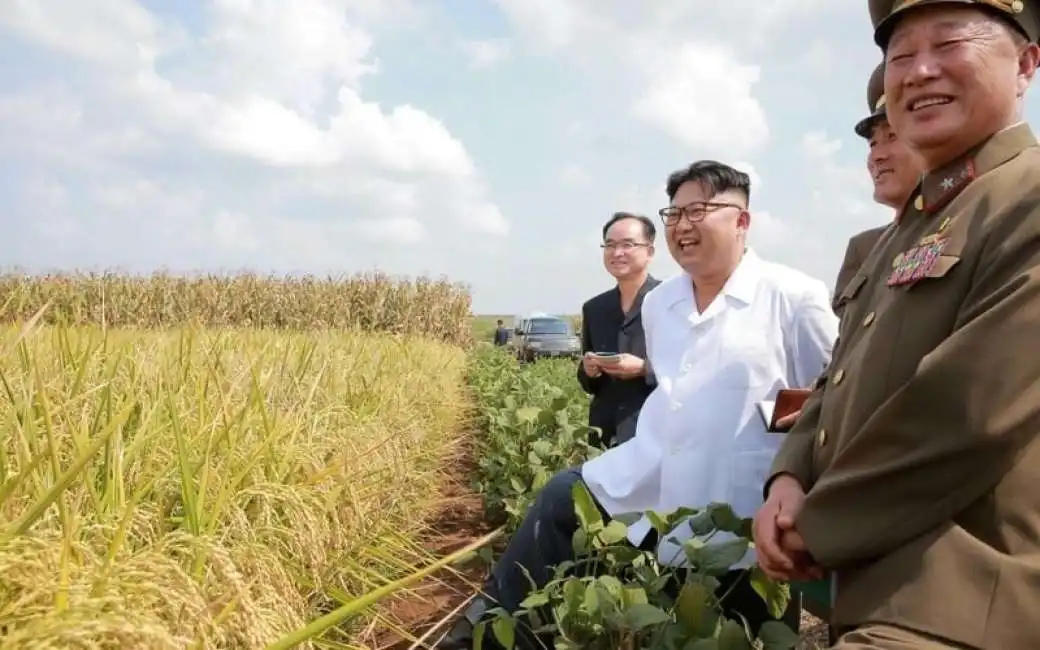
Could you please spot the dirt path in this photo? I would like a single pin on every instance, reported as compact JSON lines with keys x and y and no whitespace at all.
{"x":459,"y":522}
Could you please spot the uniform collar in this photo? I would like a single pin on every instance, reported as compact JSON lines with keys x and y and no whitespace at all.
{"x":939,"y":187}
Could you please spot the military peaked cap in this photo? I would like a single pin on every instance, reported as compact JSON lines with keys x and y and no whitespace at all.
{"x":875,"y":102}
{"x":1024,"y":15}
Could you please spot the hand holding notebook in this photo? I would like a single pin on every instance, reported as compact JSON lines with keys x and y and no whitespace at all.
{"x":787,"y":402}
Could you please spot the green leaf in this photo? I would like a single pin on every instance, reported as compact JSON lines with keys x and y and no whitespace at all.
{"x":695,"y":608}
{"x":775,"y":594}
{"x":573,"y":594}
{"x":633,"y":596}
{"x":638,"y":617}
{"x":724,"y":518}
{"x":701,"y":523}
{"x":719,"y":558}
{"x":527,"y":414}
{"x":585,"y":508}
{"x":547,"y":418}
{"x":534,"y":600}
{"x":591,"y":602}
{"x":505,"y":633}
{"x":613,"y":533}
{"x":734,"y":637}
{"x":777,"y":636}
{"x":658,"y":522}
{"x":560,"y":403}
{"x":580,"y":542}
{"x":611,"y":584}
{"x":542,"y":447}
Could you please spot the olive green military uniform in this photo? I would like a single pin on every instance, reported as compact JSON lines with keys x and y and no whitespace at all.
{"x":861,"y":244}
{"x":856,"y":253}
{"x":920,"y":446}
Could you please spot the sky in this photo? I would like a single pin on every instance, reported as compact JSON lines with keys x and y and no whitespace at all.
{"x":482,"y":140}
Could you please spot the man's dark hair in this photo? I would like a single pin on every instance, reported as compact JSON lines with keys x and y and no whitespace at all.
{"x":713,"y":176}
{"x":499,"y":321}
{"x":649,"y":229}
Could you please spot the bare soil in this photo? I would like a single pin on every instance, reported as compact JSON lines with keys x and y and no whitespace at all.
{"x":432,"y":606}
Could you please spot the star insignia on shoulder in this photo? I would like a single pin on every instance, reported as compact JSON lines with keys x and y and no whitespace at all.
{"x":947,"y":184}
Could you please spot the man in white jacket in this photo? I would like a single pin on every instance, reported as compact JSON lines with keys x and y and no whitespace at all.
{"x":724,"y":335}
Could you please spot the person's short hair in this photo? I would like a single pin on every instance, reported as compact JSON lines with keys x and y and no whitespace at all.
{"x":649,"y":229}
{"x":713,"y":176}
{"x":499,"y":321}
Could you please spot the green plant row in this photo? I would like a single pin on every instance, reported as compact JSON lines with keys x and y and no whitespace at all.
{"x":613,"y":596}
{"x":533,"y":423}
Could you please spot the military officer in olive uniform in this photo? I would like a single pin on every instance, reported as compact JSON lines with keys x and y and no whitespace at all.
{"x":894,"y":168}
{"x":911,"y":477}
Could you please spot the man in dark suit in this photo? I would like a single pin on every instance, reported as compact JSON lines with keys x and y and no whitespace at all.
{"x":611,"y":323}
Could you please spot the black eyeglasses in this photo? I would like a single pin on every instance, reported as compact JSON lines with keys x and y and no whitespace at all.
{"x":693,"y":212}
{"x":622,"y":245}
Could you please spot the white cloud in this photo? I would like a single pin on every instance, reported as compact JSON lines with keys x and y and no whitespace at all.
{"x":487,"y":53}
{"x":342,"y":134}
{"x":259,"y":117}
{"x":704,"y":98}
{"x":693,"y":89}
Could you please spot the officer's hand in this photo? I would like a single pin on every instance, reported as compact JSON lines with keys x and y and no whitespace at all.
{"x":781,"y":550}
{"x":590,"y":364}
{"x":625,"y":366}
{"x":788,"y":420}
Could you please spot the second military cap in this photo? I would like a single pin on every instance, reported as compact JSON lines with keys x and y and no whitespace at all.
{"x":1024,"y":15}
{"x":875,"y":102}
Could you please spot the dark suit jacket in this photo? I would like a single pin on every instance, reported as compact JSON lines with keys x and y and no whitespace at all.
{"x":501,"y":336}
{"x":605,"y":328}
{"x":856,"y":253}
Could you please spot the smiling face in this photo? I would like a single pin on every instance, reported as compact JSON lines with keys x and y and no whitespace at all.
{"x":953,"y":76}
{"x":626,"y":249}
{"x":708,"y":240}
{"x":894,"y":168}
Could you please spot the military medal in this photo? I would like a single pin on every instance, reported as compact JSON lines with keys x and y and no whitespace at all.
{"x":910,"y":266}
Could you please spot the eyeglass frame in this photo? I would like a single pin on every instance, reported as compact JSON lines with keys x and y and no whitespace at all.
{"x":685,"y":212}
{"x":625,"y":244}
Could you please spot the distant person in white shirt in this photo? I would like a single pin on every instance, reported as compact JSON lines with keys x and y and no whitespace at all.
{"x":727,"y":333}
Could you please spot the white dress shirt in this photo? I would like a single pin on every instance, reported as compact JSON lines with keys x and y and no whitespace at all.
{"x":699,"y":437}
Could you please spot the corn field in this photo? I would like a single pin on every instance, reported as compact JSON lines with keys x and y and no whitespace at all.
{"x":374,"y":302}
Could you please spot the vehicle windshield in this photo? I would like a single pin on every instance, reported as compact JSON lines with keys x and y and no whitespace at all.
{"x":549,"y":326}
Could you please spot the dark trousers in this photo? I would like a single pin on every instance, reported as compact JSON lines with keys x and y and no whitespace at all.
{"x":544,"y":540}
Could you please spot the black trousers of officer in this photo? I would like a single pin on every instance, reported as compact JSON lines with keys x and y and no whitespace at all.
{"x":544,"y":540}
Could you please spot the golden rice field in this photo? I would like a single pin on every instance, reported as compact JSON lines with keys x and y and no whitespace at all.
{"x":217,"y":486}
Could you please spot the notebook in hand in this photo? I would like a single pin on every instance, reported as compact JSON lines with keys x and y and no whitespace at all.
{"x":788,"y":400}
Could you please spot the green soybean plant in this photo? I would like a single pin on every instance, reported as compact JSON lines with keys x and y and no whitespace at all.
{"x":615,"y":596}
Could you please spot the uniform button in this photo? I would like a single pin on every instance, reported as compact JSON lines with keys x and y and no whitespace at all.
{"x":821,"y":437}
{"x":868,"y":319}
{"x":838,"y":376}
